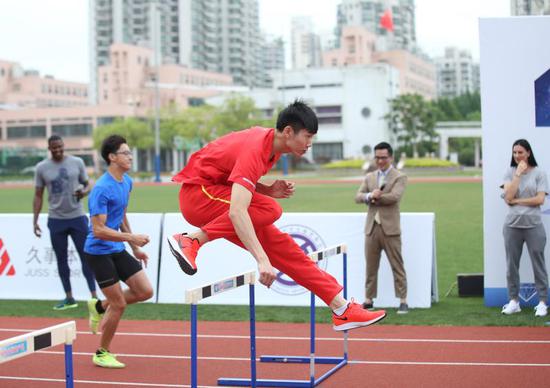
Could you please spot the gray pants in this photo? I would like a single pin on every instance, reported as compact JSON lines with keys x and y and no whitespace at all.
{"x":535,"y":238}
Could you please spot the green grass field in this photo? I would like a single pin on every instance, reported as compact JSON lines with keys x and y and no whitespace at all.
{"x":459,"y":239}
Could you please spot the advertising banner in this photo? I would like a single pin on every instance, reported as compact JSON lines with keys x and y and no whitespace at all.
{"x":312,"y":231}
{"x":28,"y":268}
{"x":515,"y":95}
{"x":31,"y":266}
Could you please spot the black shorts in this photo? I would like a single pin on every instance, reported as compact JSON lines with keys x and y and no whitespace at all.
{"x":111,"y":268}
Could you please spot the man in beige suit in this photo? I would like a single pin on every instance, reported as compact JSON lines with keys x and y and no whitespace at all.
{"x":382,"y":191}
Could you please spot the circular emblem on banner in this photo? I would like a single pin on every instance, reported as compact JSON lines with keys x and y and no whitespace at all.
{"x":309,"y":241}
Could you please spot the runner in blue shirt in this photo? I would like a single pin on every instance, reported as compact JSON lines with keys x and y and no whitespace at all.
{"x":105,"y":251}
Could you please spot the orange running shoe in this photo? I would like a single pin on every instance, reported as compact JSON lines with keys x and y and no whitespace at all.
{"x":355,"y":316}
{"x":185,"y":249}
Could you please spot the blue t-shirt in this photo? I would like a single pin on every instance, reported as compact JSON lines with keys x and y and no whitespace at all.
{"x":109,"y":197}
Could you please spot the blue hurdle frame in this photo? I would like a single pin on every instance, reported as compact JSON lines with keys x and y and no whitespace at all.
{"x":69,"y":376}
{"x":210,"y":290}
{"x":312,"y":359}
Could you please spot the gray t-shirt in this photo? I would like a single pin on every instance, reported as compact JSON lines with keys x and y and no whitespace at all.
{"x":62,"y":179}
{"x":531,"y":183}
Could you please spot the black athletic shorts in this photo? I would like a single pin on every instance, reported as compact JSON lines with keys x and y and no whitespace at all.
{"x":111,"y":268}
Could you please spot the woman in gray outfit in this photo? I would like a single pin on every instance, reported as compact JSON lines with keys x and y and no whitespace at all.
{"x":525,"y":187}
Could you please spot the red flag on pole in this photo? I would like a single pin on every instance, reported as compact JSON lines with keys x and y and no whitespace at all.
{"x":386,"y":20}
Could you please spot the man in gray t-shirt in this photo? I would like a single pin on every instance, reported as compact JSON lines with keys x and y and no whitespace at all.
{"x":66,"y":180}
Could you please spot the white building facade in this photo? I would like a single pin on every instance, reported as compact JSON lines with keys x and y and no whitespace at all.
{"x":350,"y":103}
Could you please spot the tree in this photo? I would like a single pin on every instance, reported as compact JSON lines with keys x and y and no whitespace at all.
{"x":194,"y":124}
{"x":466,"y":107}
{"x":468,"y":103}
{"x":238,"y":113}
{"x":206,"y":122}
{"x":138,"y":133}
{"x":447,"y":110}
{"x":412,"y":119}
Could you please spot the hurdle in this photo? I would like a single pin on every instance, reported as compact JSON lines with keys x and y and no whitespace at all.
{"x":193,"y":296}
{"x":23,"y":345}
{"x":312,"y":359}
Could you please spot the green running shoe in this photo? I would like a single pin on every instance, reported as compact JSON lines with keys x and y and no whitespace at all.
{"x":94,"y":317}
{"x":65,"y":304}
{"x":105,"y":359}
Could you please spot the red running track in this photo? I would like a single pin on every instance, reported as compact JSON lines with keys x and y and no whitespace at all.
{"x":157,"y":355}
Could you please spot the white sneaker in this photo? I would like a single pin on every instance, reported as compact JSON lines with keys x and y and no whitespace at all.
{"x":511,"y":308}
{"x":541,"y":310}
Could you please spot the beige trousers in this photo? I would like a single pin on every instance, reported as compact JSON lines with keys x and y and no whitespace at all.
{"x":374,"y":244}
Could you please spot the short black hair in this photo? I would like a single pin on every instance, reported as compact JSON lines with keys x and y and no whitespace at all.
{"x":384,"y":146}
{"x":111,"y":145}
{"x":54,"y":137}
{"x":525,"y":144}
{"x":299,"y":116}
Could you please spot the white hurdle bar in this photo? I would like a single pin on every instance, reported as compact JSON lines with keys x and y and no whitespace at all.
{"x":340,"y":362}
{"x":193,"y":296}
{"x":25,"y":344}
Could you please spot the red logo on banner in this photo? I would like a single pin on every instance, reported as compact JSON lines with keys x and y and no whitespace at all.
{"x":6,"y":267}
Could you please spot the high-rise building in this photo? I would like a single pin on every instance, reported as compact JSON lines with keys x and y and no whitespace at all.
{"x":367,"y":13}
{"x":530,"y":7}
{"x":272,"y":58}
{"x":306,"y":45}
{"x":135,"y":22}
{"x":220,"y":36}
{"x":456,"y":73}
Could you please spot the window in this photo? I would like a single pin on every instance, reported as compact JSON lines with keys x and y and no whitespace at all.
{"x":335,"y":85}
{"x":26,"y":131}
{"x":105,"y":120}
{"x":325,"y":152}
{"x":330,"y":120}
{"x":329,"y":114}
{"x":290,"y":87}
{"x":328,"y":109}
{"x":69,"y":130}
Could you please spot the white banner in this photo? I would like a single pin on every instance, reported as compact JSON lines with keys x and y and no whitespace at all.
{"x":312,"y":231}
{"x":515,"y":66}
{"x":28,"y":269}
{"x":34,"y":274}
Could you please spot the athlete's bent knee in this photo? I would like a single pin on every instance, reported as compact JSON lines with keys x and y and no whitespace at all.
{"x":118,"y":305}
{"x":145,"y":294}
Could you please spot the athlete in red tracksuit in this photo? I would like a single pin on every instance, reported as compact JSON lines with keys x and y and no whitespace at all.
{"x":221,"y":194}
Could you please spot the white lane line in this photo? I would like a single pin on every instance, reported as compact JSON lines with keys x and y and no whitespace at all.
{"x":131,"y":384}
{"x":442,"y":363}
{"x":286,"y":338}
{"x":53,"y":352}
{"x":450,"y":363}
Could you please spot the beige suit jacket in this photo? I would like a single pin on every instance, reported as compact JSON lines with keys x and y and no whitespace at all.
{"x":387,"y":205}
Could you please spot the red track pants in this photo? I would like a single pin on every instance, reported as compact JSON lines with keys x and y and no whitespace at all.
{"x":207,"y":207}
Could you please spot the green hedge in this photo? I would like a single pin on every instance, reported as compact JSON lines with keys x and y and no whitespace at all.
{"x":349,"y":163}
{"x":427,"y":163}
